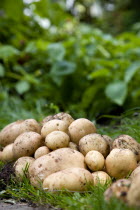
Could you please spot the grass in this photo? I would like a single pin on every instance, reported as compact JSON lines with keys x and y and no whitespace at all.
{"x":128,"y":123}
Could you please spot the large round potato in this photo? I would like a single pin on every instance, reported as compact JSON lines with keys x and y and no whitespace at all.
{"x":120,"y":163}
{"x":41,"y":151}
{"x":73,"y":179}
{"x":79,"y":128}
{"x":94,"y":160}
{"x":127,"y":142}
{"x":55,"y":161}
{"x":26,"y":144}
{"x":9,"y":133}
{"x":54,"y":125}
{"x":60,"y":116}
{"x":93,"y":141}
{"x":21,"y":166}
{"x":56,"y":140}
{"x":7,"y":153}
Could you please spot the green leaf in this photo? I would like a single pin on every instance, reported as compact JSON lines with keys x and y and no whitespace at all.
{"x":99,"y":73}
{"x":63,"y":68}
{"x":117,"y":92}
{"x":8,"y":51}
{"x":22,"y":87}
{"x":2,"y":73}
{"x":132,"y":69}
{"x":56,"y":51}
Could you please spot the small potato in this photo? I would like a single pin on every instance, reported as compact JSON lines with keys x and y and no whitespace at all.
{"x":21,"y":167}
{"x":60,"y":116}
{"x":8,"y":155}
{"x":9,"y":133}
{"x":26,"y":144}
{"x":120,"y":162}
{"x":118,"y":189}
{"x":133,"y":196}
{"x":56,"y":140}
{"x":101,"y":177}
{"x":94,"y":160}
{"x":93,"y":141}
{"x":53,"y":125}
{"x":73,"y":179}
{"x":41,"y":151}
{"x":54,"y":161}
{"x":127,"y":142}
{"x":72,"y":145}
{"x":79,"y":128}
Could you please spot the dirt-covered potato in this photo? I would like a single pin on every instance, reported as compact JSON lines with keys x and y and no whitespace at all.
{"x":79,"y":128}
{"x":93,"y":141}
{"x":41,"y":151}
{"x":54,"y":125}
{"x":21,"y":166}
{"x":120,"y":163}
{"x":60,"y":116}
{"x":26,"y":144}
{"x":133,"y":196}
{"x":7,"y":153}
{"x":73,"y":179}
{"x":101,"y":177}
{"x":135,"y":172}
{"x":9,"y":133}
{"x":127,"y":142}
{"x":72,"y":145}
{"x":118,"y":189}
{"x":94,"y":160}
{"x":56,"y":140}
{"x":55,"y":161}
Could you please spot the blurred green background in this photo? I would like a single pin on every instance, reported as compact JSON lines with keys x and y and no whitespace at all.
{"x":80,"y":56}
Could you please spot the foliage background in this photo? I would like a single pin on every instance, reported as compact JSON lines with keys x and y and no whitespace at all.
{"x":82,"y":58}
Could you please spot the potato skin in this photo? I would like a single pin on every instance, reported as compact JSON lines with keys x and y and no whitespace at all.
{"x":9,"y":133}
{"x":20,"y":166}
{"x":41,"y":151}
{"x":56,"y":140}
{"x":93,"y":141}
{"x":127,"y":142}
{"x":94,"y":160}
{"x":26,"y":144}
{"x":55,"y":161}
{"x":73,"y":179}
{"x":7,"y":153}
{"x":101,"y":177}
{"x":79,"y":128}
{"x":53,"y":125}
{"x":72,"y":145}
{"x":135,"y":172}
{"x":118,"y":189}
{"x":120,"y":162}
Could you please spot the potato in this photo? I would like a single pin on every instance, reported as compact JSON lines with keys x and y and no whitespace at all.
{"x":93,"y":141}
{"x":21,"y":167}
{"x":9,"y":133}
{"x":118,"y":189}
{"x":56,"y":140}
{"x":55,"y":161}
{"x":133,"y":195}
{"x":120,"y":162}
{"x":127,"y":142}
{"x":73,"y":179}
{"x":135,"y":172}
{"x":26,"y":144}
{"x":101,"y":177}
{"x":41,"y":151}
{"x":109,"y":141}
{"x":94,"y":160}
{"x":79,"y":128}
{"x":8,"y":155}
{"x":53,"y":125}
{"x":72,"y":145}
{"x":60,"y":116}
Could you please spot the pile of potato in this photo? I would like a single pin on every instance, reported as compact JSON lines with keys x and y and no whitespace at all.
{"x":63,"y":153}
